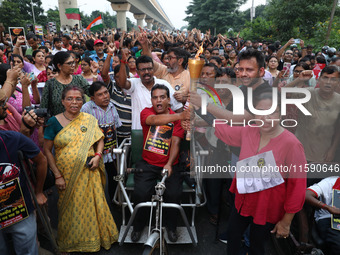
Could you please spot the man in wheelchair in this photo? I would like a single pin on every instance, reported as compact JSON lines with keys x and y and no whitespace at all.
{"x":162,"y":134}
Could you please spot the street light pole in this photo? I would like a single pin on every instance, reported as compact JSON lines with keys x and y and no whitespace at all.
{"x":33,"y":12}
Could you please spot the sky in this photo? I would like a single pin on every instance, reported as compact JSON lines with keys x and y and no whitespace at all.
{"x":175,"y":9}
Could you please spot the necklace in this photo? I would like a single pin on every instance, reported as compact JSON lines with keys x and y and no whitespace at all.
{"x":67,"y":118}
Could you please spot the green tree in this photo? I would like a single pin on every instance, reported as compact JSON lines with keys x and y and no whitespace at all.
{"x":212,"y":14}
{"x":26,"y":11}
{"x":10,"y":14}
{"x":295,"y":18}
{"x":53,"y":16}
{"x":259,"y":29}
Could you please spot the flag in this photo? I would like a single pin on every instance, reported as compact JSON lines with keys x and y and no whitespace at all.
{"x":72,"y":13}
{"x":96,"y":24}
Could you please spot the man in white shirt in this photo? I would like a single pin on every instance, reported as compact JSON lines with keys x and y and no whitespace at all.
{"x":57,"y":46}
{"x":140,"y":88}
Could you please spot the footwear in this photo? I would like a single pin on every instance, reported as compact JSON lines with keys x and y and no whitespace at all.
{"x":172,"y":235}
{"x":223,"y":238}
{"x":135,"y":235}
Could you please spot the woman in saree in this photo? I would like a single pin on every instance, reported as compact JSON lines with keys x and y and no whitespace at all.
{"x":85,"y":221}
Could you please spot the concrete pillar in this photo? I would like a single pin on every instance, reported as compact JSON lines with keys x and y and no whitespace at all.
{"x":65,"y":4}
{"x":156,"y":23}
{"x":149,"y":22}
{"x":121,"y":10}
{"x":140,"y":17}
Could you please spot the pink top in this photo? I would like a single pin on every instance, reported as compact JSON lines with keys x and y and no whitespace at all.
{"x":13,"y":119}
{"x":79,"y":71}
{"x":271,"y":204}
{"x":17,"y":103}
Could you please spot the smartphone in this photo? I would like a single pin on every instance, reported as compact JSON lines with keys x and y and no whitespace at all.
{"x":297,"y":41}
{"x":88,"y":161}
{"x":32,"y":76}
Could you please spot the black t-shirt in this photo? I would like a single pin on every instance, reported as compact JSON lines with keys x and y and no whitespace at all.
{"x":256,"y":92}
{"x":9,"y":162}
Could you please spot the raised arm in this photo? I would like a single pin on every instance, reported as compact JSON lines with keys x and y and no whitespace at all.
{"x":283,"y":48}
{"x":123,"y":82}
{"x":17,"y":48}
{"x":11,"y":81}
{"x":106,"y":67}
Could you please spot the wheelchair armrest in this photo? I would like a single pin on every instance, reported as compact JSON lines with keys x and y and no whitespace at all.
{"x":119,"y":150}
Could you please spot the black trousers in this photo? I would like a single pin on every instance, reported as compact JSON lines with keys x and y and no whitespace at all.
{"x":145,"y":183}
{"x":111,"y":171}
{"x":259,"y":234}
{"x":331,"y":236}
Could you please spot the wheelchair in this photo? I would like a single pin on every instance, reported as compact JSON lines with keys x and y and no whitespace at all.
{"x":127,"y":154}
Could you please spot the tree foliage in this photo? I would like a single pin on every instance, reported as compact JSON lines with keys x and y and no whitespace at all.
{"x":278,"y":20}
{"x":212,"y":14}
{"x":295,"y":18}
{"x":10,"y":14}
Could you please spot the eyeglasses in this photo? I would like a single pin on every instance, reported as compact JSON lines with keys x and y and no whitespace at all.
{"x":71,"y":99}
{"x":143,"y":70}
{"x":71,"y":63}
{"x":4,"y":102}
{"x":289,"y":53}
{"x":298,"y":72}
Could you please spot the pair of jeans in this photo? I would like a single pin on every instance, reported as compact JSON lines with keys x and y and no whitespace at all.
{"x":24,"y":236}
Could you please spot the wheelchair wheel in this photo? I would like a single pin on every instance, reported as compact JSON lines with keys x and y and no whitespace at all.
{"x":154,"y":250}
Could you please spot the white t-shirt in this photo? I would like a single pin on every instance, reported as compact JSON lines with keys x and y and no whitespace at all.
{"x":141,"y":98}
{"x":324,"y":191}
{"x":55,"y":51}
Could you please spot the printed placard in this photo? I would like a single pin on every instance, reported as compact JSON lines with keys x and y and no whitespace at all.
{"x":336,"y":202}
{"x":159,"y":138}
{"x":257,"y":173}
{"x":110,"y":137}
{"x":12,"y":203}
{"x":16,"y":31}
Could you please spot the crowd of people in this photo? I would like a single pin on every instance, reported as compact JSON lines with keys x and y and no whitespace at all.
{"x":97,"y":87}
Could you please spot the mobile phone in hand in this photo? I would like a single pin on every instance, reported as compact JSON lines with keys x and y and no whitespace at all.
{"x":88,"y":161}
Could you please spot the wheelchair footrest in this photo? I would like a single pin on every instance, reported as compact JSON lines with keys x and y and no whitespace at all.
{"x":182,"y":232}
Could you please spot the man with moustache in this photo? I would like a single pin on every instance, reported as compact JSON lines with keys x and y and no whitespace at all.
{"x":174,"y":71}
{"x":319,"y":133}
{"x":162,"y":125}
{"x":139,"y":88}
{"x":100,"y":55}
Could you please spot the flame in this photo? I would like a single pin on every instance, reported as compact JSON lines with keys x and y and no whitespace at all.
{"x":199,"y":52}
